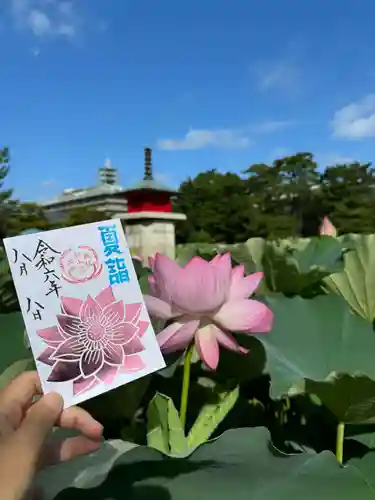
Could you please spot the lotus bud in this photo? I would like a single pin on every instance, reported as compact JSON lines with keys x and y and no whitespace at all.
{"x":327,"y":228}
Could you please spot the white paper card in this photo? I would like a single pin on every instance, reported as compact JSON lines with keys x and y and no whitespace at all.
{"x":83,"y":309}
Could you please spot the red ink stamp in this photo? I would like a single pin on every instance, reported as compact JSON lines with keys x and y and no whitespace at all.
{"x":80,"y":264}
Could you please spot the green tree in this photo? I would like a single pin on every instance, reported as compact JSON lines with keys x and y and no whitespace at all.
{"x":84,"y":215}
{"x":286,"y":196}
{"x":27,"y":216}
{"x":217,"y":208}
{"x":349,"y":197}
{"x":6,"y":204}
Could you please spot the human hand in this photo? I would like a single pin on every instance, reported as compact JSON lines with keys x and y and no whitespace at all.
{"x":25,"y":427}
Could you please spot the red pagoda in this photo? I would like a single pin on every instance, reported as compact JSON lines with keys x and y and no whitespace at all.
{"x":150,"y":221}
{"x":149,"y":195}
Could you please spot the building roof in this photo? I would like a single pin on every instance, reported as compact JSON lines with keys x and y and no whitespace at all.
{"x":109,"y":185}
{"x":82,"y":193}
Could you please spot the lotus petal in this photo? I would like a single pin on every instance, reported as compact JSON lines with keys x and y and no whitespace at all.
{"x":105,"y":297}
{"x":153,"y":287}
{"x":227,"y":340}
{"x":242,"y":287}
{"x":201,"y":287}
{"x":216,"y":259}
{"x":245,"y":315}
{"x":327,"y":228}
{"x":51,"y":336}
{"x":165,"y":272}
{"x":142,"y":327}
{"x":91,"y":362}
{"x":207,"y":346}
{"x":132,"y":312}
{"x":71,"y":306}
{"x":70,"y":325}
{"x":90,"y":311}
{"x":114,"y":313}
{"x":132,"y":364}
{"x":45,"y":357}
{"x":157,"y":307}
{"x":84,"y":384}
{"x":178,"y":335}
{"x":107,"y":374}
{"x":122,"y":333}
{"x":113,"y":354}
{"x":134,"y":346}
{"x":62,"y":372}
{"x":70,"y":350}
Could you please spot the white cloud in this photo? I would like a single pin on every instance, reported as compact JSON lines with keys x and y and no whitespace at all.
{"x":199,"y":139}
{"x":39,"y":23}
{"x":267,"y":127}
{"x":45,"y":18}
{"x":356,"y":120}
{"x":282,"y":74}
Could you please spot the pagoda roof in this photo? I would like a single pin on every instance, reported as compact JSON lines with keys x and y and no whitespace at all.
{"x":149,"y":185}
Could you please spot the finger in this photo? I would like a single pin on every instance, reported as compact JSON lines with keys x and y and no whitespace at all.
{"x":34,"y":493}
{"x":81,"y":421}
{"x":24,"y":446}
{"x":61,"y":451}
{"x":29,"y":439}
{"x":16,"y":398}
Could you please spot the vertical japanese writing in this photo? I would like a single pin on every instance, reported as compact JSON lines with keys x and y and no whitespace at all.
{"x":20,"y":259}
{"x":43,"y":261}
{"x":116,"y":266}
{"x":35,"y":308}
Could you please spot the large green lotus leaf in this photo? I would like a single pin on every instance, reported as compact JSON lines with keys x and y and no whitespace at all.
{"x":14,"y":370}
{"x":164,"y":430}
{"x":250,"y":254}
{"x":313,"y":338}
{"x":362,"y":433}
{"x":92,"y":468}
{"x":356,"y":283}
{"x":350,"y":398}
{"x":8,"y":296}
{"x":294,"y":266}
{"x":13,"y":346}
{"x":204,"y":250}
{"x":366,"y":467}
{"x":240,"y":464}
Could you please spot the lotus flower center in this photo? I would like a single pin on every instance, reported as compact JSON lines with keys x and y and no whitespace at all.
{"x":95,"y":333}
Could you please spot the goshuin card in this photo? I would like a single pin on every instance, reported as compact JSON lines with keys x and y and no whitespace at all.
{"x":83,"y":309}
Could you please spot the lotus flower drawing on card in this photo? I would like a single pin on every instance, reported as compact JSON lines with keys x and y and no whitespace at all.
{"x":93,"y":341}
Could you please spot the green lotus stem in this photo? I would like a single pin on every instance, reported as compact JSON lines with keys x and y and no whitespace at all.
{"x":185,"y":385}
{"x":340,"y":442}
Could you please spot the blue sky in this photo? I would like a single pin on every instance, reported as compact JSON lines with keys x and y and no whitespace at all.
{"x":205,"y":83}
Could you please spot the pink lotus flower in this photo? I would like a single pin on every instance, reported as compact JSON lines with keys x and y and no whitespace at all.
{"x":93,"y":341}
{"x":206,"y":301}
{"x":327,"y":228}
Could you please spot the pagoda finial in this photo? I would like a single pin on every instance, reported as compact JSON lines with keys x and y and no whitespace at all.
{"x":148,"y":165}
{"x":107,"y":163}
